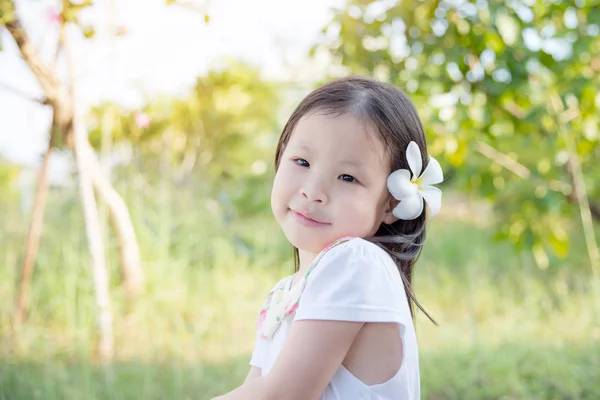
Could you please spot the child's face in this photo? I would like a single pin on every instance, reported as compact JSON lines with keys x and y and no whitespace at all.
{"x":331,"y":182}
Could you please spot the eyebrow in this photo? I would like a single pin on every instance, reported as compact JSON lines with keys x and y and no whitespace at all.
{"x":303,"y":146}
{"x":308,"y":148}
{"x":356,"y":164}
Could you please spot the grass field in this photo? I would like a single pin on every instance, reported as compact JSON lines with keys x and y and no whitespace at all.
{"x":507,"y":330}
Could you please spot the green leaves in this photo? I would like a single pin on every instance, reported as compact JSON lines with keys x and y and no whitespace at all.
{"x":500,"y":63}
{"x":7,"y":13}
{"x":71,"y":9}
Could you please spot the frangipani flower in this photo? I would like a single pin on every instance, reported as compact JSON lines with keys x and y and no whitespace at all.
{"x":411,"y":187}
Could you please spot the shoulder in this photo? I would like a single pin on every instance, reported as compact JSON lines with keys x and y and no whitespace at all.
{"x":354,"y":281}
{"x":356,"y":253}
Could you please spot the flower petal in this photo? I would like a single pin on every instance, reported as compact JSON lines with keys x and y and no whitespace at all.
{"x":433,"y":173}
{"x":409,"y":208}
{"x":400,"y":186}
{"x":433,"y":197}
{"x":413,"y":156}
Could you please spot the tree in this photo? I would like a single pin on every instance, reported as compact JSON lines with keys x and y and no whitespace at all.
{"x":65,"y":122}
{"x":57,"y":97}
{"x":508,"y":95}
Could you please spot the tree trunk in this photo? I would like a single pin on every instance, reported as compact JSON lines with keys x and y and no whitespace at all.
{"x":33,"y":235}
{"x":59,"y":99}
{"x":95,"y":244}
{"x":91,"y":218}
{"x":96,"y":247}
{"x":133,"y":274}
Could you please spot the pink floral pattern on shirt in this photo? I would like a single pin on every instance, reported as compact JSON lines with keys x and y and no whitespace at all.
{"x":281,"y":302}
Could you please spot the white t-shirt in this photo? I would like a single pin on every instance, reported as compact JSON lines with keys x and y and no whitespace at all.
{"x":354,"y":281}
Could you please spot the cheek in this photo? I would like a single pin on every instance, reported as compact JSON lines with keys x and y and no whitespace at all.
{"x":283,"y":188}
{"x":359,"y":208}
{"x":362,"y":213}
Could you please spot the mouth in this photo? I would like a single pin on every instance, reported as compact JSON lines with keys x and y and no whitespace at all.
{"x":307,"y":221}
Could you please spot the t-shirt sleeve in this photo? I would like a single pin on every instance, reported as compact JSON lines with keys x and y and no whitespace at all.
{"x":352,"y":283}
{"x":258,"y":354}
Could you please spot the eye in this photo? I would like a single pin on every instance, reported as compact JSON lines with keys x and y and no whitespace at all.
{"x":302,"y":162}
{"x":348,"y":178}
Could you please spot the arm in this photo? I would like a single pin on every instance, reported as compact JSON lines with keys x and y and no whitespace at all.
{"x":251,"y":389}
{"x":254,"y":373}
{"x":310,"y":357}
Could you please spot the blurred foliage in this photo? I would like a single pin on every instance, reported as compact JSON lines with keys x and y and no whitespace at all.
{"x":9,"y":175}
{"x":492,"y":74}
{"x":222,"y":127}
{"x":223,"y":133}
{"x":7,"y":13}
{"x":67,"y":11}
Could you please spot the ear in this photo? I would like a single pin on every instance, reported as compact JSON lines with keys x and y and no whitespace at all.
{"x":388,"y":217}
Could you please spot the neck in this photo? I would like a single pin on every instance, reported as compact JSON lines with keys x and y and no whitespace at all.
{"x":305,"y":259}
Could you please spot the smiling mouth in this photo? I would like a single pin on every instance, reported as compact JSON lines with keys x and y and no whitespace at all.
{"x":304,"y":220}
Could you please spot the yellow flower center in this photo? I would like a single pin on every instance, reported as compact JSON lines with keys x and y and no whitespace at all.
{"x":417,"y":182}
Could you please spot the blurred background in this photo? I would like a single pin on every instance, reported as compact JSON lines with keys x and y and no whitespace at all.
{"x":136,"y":157}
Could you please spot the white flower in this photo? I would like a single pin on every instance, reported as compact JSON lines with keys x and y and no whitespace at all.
{"x":411,"y":189}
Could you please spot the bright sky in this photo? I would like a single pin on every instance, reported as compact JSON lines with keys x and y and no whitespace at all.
{"x":164,"y":50}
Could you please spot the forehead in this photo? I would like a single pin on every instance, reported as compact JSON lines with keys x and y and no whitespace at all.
{"x":345,"y":137}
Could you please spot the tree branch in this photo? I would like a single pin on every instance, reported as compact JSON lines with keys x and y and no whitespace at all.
{"x":23,"y":95}
{"x":514,"y":109}
{"x":512,"y":165}
{"x":133,"y":273}
{"x":34,"y":234}
{"x":47,"y":77}
{"x":573,"y":196}
{"x":520,"y":170}
{"x":190,"y":5}
{"x":59,"y":43}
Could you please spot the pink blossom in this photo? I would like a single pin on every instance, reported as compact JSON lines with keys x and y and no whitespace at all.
{"x":142,"y":119}
{"x":261,"y":317}
{"x":53,"y":16}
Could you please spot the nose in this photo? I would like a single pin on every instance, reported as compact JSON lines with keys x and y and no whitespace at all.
{"x":314,"y":191}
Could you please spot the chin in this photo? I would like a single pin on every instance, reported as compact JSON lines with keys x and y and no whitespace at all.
{"x":305,"y":241}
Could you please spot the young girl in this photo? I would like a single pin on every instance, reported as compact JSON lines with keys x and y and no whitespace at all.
{"x":351,"y":195}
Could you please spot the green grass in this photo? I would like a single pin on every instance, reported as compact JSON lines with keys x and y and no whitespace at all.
{"x":123,"y":380}
{"x":511,"y":371}
{"x":507,"y":330}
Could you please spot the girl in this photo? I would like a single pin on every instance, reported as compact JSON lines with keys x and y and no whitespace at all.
{"x":350,"y":197}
